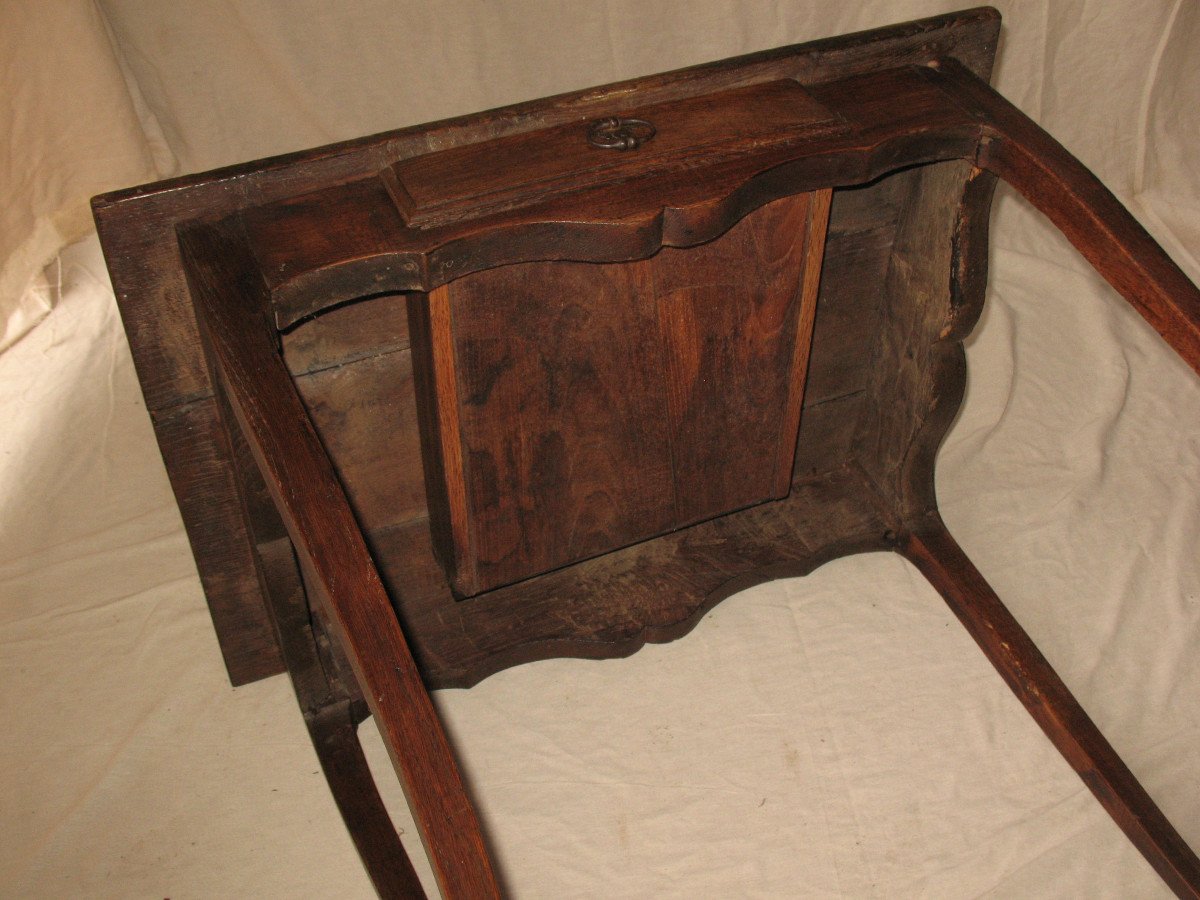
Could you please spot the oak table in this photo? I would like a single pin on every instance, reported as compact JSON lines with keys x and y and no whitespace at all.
{"x":602,"y":360}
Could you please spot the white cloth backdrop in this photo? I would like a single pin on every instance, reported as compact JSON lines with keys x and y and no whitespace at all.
{"x":833,"y":736}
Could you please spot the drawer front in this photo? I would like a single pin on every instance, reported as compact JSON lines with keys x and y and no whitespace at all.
{"x":532,"y":167}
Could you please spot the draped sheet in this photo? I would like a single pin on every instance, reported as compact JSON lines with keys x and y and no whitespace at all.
{"x":832,"y":736}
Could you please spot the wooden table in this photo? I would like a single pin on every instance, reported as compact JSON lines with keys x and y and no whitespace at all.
{"x":555,"y":379}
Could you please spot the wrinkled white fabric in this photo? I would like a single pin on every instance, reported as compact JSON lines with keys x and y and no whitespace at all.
{"x":69,"y":128}
{"x":832,"y":736}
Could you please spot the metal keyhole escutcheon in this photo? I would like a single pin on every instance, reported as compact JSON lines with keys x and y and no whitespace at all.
{"x":613,"y":133}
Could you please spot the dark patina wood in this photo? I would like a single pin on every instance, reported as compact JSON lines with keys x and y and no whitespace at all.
{"x":157,"y":311}
{"x":644,"y":397}
{"x":338,"y":436}
{"x":338,"y":572}
{"x":690,"y":135}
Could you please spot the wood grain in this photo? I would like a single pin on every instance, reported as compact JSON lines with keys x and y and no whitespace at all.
{"x":1013,"y":147}
{"x":736,"y":318}
{"x":932,"y":550}
{"x":330,"y":712}
{"x":138,"y":232}
{"x":815,"y":229}
{"x":338,"y":570}
{"x":611,"y":605}
{"x":325,"y":248}
{"x":581,"y":408}
{"x":692,"y":134}
{"x":565,"y":449}
{"x":364,"y":413}
{"x":205,"y":486}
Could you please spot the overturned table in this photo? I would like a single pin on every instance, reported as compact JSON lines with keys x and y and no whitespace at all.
{"x":665,"y":339}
